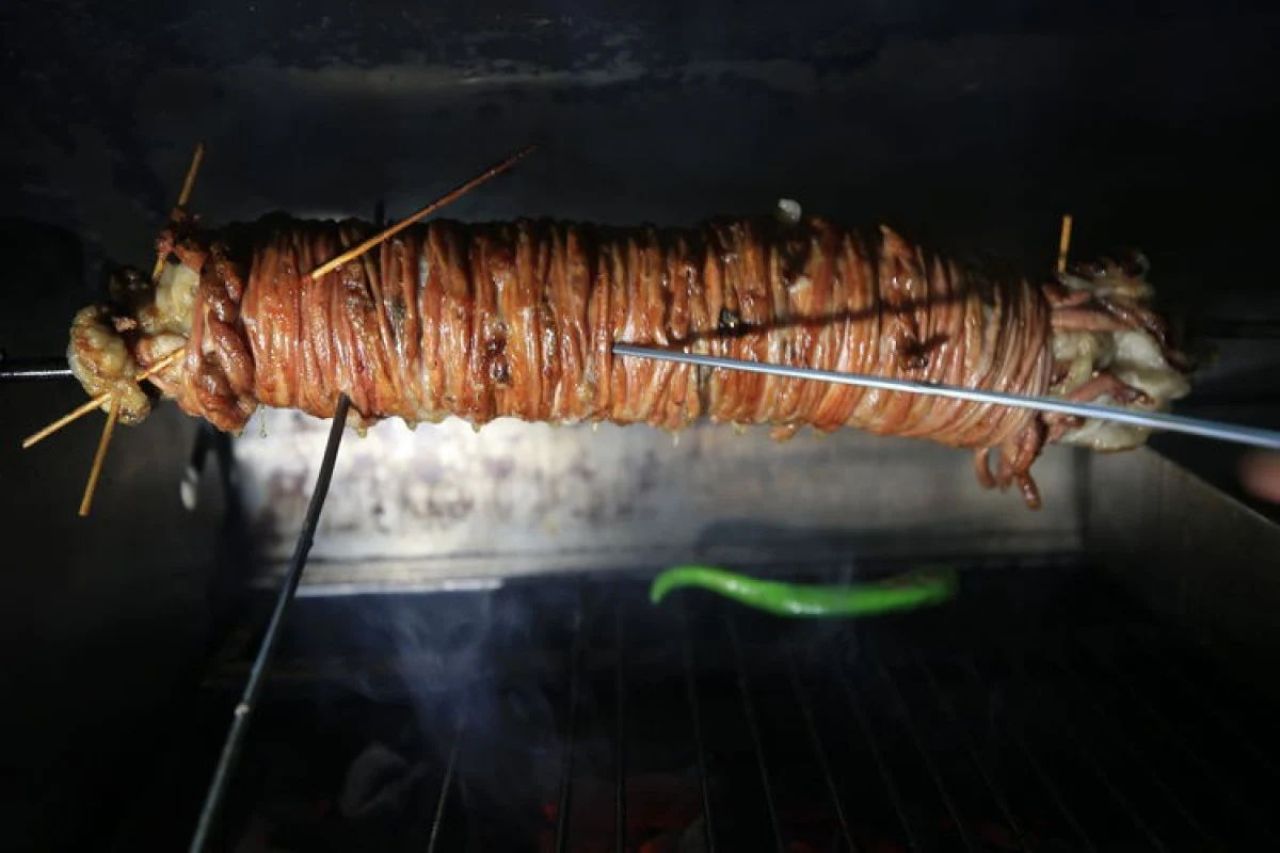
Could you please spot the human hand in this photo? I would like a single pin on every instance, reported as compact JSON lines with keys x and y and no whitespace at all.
{"x":1260,"y":475}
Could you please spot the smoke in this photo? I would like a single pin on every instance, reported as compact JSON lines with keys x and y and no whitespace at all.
{"x":478,"y":678}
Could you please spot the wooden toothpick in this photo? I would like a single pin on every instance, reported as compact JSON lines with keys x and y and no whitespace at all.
{"x":1064,"y":242}
{"x":108,"y":429}
{"x":70,"y":417}
{"x":99,"y":456}
{"x":188,"y":183}
{"x":113,"y":413}
{"x":82,"y":410}
{"x":449,"y":197}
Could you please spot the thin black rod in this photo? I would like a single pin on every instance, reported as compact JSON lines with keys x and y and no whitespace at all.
{"x":1084,"y":750}
{"x":189,"y":486}
{"x":34,"y":369}
{"x":620,"y":739}
{"x":1013,"y":728}
{"x":753,"y":728}
{"x":1203,"y":698}
{"x":571,"y":729}
{"x":975,"y":756}
{"x":1228,"y":793}
{"x":445,"y":787}
{"x":890,"y":787}
{"x":926,"y":756}
{"x":248,"y":701}
{"x":819,"y":752}
{"x":1119,"y":740}
{"x":695,"y":711}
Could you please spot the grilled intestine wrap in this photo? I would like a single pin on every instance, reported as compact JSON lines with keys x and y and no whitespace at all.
{"x":517,"y":319}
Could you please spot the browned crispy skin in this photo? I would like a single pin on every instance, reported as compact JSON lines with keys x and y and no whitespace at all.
{"x":518,"y":319}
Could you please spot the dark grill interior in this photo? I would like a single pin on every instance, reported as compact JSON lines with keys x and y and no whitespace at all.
{"x":1039,"y":711}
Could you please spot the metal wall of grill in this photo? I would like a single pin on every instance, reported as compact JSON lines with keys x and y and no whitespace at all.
{"x":1039,"y":711}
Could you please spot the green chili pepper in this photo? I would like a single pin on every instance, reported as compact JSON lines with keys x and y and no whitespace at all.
{"x":904,"y":592}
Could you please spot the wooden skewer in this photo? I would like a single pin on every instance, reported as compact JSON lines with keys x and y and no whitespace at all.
{"x":80,"y":411}
{"x":449,"y":197}
{"x":1064,"y":242}
{"x":99,"y":456}
{"x":70,"y":417}
{"x":188,"y":183}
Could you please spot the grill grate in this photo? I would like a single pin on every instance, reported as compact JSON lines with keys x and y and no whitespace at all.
{"x":568,"y":714}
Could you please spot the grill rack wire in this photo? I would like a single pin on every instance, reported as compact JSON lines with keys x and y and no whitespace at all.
{"x":1072,"y":719}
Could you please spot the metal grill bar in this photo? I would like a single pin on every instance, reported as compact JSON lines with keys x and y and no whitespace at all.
{"x":1222,"y":784}
{"x":925,"y":754}
{"x":1055,"y":793}
{"x":1084,"y":752}
{"x":445,"y":787}
{"x":566,"y":774}
{"x":895,"y":797}
{"x":266,"y":650}
{"x":1082,"y":692}
{"x":695,"y":712}
{"x":753,"y":726}
{"x":620,"y":738}
{"x":819,"y":751}
{"x":966,"y":738}
{"x":1224,"y":718}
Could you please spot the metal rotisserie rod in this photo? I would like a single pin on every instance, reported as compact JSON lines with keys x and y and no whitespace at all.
{"x":1238,"y":433}
{"x":33,"y":369}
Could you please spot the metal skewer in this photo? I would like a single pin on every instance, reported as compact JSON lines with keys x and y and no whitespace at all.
{"x":33,"y":369}
{"x":1202,"y":427}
